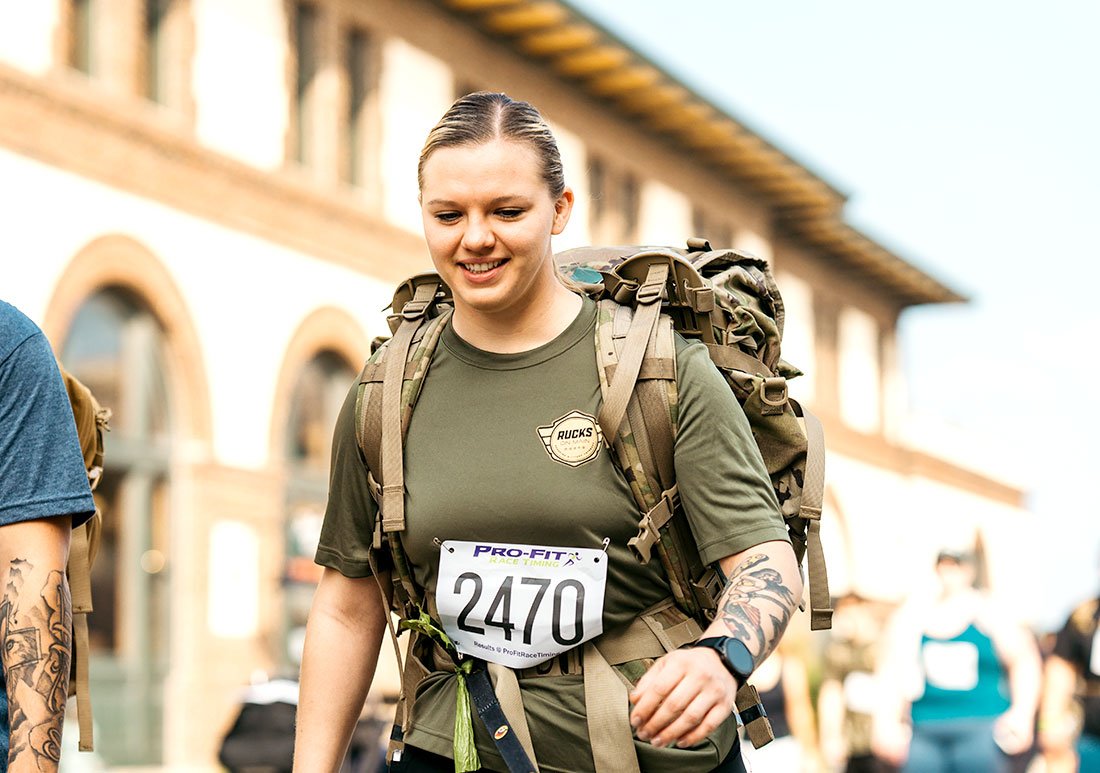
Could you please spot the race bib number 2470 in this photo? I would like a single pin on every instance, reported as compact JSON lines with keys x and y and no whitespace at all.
{"x":519,"y":605}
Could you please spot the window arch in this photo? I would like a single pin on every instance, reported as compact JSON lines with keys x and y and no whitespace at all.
{"x":117,"y":347}
{"x":315,"y":402}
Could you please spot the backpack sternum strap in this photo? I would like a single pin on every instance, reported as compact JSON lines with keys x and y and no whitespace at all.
{"x":649,"y":526}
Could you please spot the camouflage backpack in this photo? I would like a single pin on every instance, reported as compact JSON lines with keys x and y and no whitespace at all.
{"x":728,"y":300}
{"x":91,"y":421}
{"x":644,"y":295}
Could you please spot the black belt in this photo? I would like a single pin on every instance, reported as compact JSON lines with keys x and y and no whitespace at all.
{"x":492,"y":716}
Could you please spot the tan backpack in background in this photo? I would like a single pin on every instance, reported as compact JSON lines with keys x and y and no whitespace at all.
{"x":91,"y":421}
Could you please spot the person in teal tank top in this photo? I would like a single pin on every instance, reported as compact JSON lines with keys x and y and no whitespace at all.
{"x":960,"y":680}
{"x":963,"y":678}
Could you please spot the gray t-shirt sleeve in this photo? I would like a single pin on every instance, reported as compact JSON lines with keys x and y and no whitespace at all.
{"x":42,"y":470}
{"x":349,"y":515}
{"x":720,"y":474}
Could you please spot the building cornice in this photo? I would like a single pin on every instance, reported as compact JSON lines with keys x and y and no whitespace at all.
{"x":880,"y":452}
{"x":602,"y":66}
{"x":66,"y":121}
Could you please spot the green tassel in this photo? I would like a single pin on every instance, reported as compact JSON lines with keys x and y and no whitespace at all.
{"x":465,"y":749}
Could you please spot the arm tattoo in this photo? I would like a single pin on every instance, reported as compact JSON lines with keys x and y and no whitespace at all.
{"x":751,"y":591}
{"x":36,"y":647}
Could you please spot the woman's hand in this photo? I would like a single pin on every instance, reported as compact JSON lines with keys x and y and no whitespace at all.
{"x":682,"y":698}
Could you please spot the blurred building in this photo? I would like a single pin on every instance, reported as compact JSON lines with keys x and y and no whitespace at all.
{"x":206,"y":206}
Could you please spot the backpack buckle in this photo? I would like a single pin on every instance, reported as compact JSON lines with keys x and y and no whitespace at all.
{"x":650,"y":293}
{"x":649,"y":527}
{"x":708,"y":589}
{"x":773,"y":394}
{"x":414,"y":309}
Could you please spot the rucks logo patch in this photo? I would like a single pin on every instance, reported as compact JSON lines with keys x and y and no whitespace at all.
{"x":574,"y":439}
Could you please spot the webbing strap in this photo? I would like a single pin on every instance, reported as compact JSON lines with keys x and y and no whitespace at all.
{"x":80,"y":589}
{"x":83,"y":697}
{"x":653,"y":406}
{"x":393,"y":472}
{"x":506,"y":687}
{"x":813,"y":494}
{"x":501,"y":730}
{"x":630,"y":360}
{"x":732,"y":358}
{"x":607,"y":704}
{"x":79,"y":571}
{"x":753,"y":716}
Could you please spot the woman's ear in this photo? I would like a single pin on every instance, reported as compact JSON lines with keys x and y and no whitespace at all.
{"x":562,"y":209}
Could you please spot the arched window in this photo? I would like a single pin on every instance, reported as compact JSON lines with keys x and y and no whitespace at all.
{"x":116,"y":347}
{"x":318,"y":394}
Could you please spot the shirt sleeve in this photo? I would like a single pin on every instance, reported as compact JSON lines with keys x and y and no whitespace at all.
{"x":348,"y":528}
{"x":723,"y":484}
{"x":42,"y":471}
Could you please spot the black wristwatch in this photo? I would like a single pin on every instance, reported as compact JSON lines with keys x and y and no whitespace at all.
{"x":734,"y":654}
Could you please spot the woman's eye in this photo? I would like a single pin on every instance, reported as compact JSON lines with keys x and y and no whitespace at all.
{"x":510,"y":212}
{"x":446,"y":217}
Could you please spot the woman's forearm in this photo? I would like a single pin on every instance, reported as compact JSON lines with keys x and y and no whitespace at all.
{"x":343,"y":636}
{"x":762,"y":593}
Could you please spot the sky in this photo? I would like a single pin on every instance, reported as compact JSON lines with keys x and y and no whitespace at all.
{"x":967,"y":138}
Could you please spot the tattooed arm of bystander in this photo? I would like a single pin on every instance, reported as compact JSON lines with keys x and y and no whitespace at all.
{"x":35,"y":638}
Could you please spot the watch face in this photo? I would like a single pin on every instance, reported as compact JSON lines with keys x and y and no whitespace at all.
{"x":738,"y":655}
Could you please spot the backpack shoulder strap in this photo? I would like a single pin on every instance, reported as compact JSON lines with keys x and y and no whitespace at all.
{"x":643,"y":447}
{"x":91,"y":421}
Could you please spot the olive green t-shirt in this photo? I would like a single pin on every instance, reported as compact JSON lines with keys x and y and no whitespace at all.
{"x":477,"y":468}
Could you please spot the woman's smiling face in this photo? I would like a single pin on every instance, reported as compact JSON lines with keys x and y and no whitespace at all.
{"x":488,"y":218}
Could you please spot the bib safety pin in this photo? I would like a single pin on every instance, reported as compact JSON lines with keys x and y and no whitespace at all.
{"x":439,"y":544}
{"x":606,"y":542}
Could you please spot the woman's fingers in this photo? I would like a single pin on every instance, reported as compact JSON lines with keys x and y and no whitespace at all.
{"x":681,"y":697}
{"x":718,"y":714}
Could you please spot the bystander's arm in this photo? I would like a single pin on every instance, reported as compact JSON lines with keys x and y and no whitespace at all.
{"x":1019,"y":654}
{"x":1056,"y":725}
{"x":35,"y":638}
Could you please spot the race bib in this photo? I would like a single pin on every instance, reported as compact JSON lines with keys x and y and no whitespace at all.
{"x":951,"y":665}
{"x":518,"y":605}
{"x":861,"y":692}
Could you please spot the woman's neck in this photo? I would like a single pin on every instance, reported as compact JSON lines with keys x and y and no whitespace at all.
{"x":510,"y":333}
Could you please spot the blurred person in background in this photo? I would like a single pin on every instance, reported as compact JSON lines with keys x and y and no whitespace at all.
{"x":44,"y":494}
{"x":849,"y":692}
{"x":785,"y":692}
{"x":1073,"y":671}
{"x":946,"y":706}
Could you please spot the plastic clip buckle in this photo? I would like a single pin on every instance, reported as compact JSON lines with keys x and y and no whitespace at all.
{"x":414,"y":310}
{"x":649,"y":293}
{"x":642,"y":545}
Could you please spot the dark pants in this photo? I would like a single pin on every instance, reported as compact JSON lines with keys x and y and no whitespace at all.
{"x":419,"y":761}
{"x":955,"y":746}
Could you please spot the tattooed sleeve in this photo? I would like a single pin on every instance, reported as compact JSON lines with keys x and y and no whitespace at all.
{"x":756,"y":605}
{"x":36,"y":645}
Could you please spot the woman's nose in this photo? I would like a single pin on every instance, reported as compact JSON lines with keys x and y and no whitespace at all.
{"x":478,"y":235}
